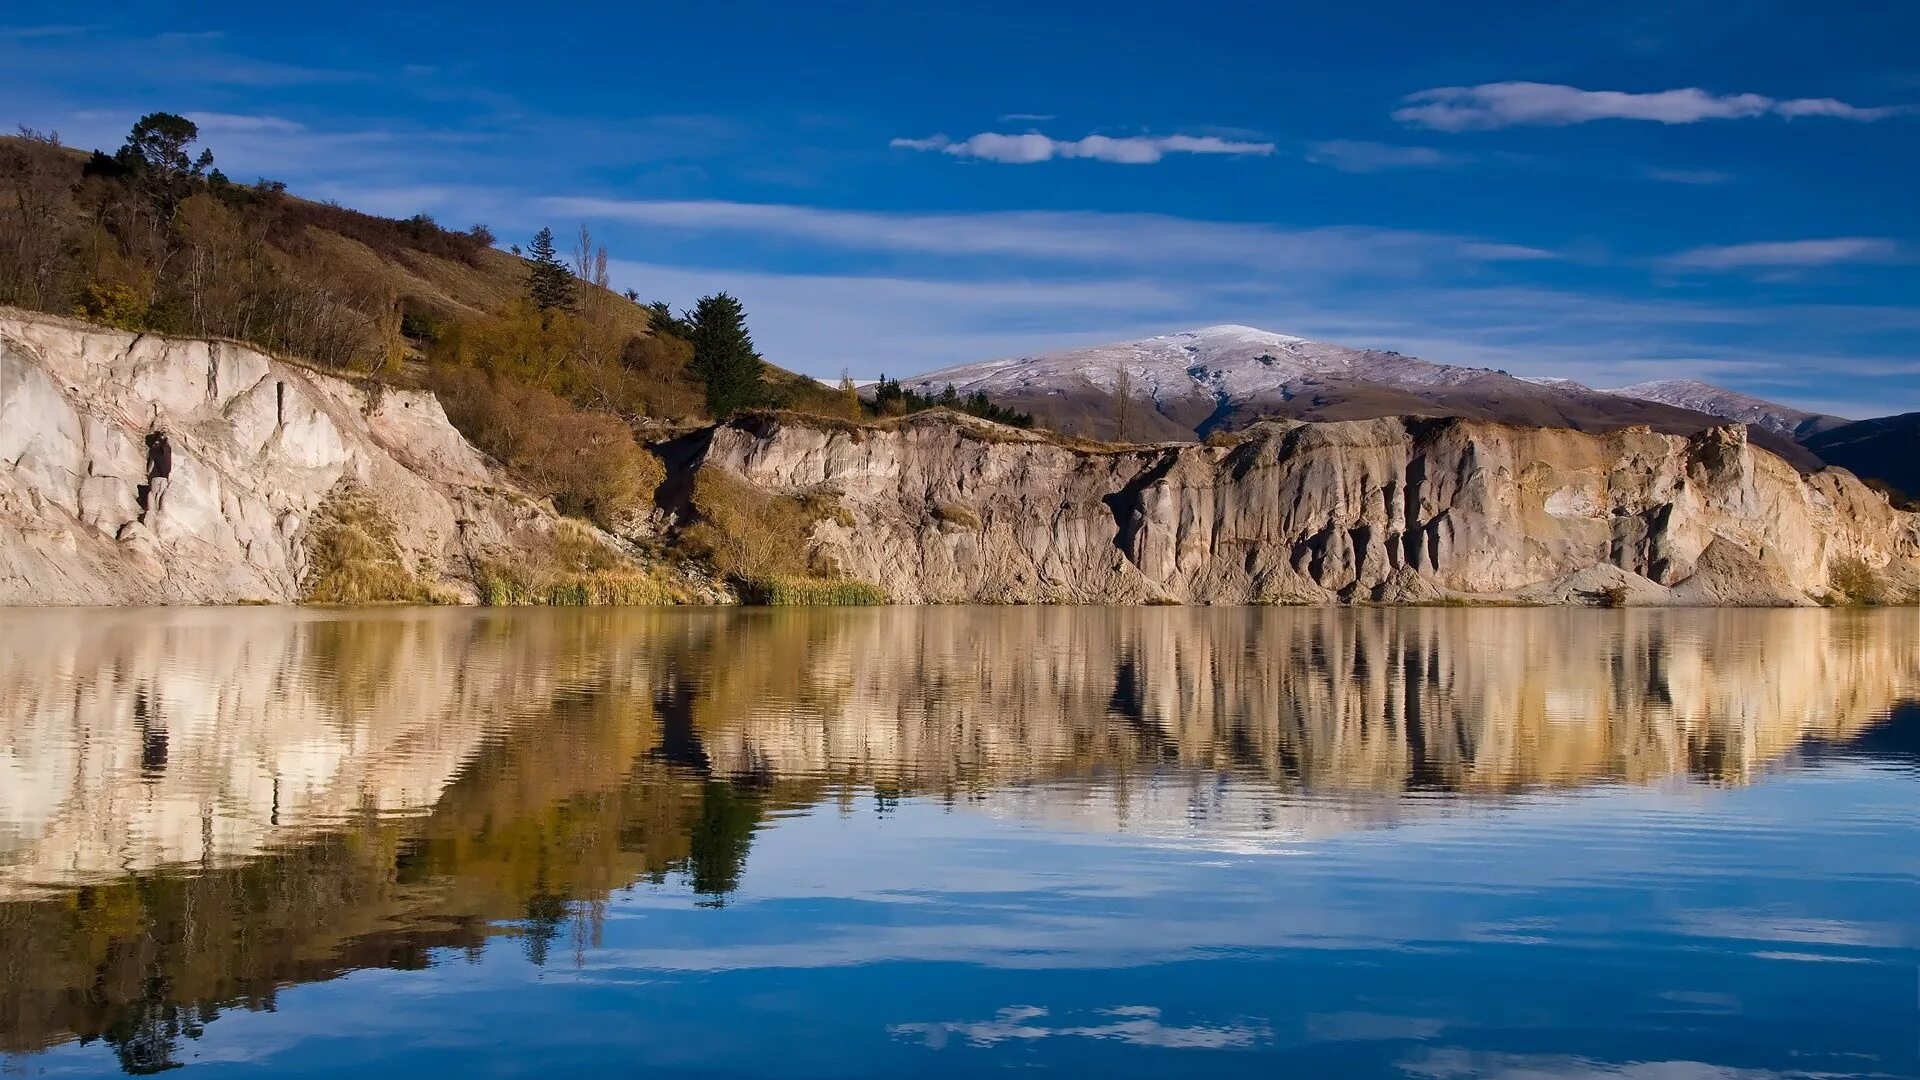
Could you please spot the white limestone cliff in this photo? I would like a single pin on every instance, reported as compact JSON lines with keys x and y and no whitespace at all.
{"x":259,"y":445}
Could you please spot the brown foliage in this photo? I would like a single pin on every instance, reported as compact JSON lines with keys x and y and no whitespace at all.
{"x":751,"y":535}
{"x":355,"y":560}
{"x":586,"y":461}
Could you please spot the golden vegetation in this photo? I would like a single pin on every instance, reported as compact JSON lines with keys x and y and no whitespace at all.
{"x":955,"y":514}
{"x":355,"y":558}
{"x":586,"y":461}
{"x":760,"y":541}
{"x":1856,"y":583}
{"x":574,"y":569}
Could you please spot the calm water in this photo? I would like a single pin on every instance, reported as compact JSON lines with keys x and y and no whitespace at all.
{"x":1427,"y":844}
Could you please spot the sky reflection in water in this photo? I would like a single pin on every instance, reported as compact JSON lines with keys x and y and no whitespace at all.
{"x":1426,"y":843}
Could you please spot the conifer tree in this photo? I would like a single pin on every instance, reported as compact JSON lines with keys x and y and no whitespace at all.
{"x":723,"y":355}
{"x":551,"y":283}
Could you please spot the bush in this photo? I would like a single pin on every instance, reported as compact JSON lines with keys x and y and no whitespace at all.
{"x":955,"y":514}
{"x":354,"y":559}
{"x":759,"y":541}
{"x":575,"y":569}
{"x":1859,"y":583}
{"x":586,"y":461}
{"x":815,"y":592}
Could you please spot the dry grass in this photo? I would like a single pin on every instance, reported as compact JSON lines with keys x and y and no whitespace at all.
{"x":585,"y":460}
{"x":1854,"y":582}
{"x":759,"y":540}
{"x":816,"y":592}
{"x":955,"y":514}
{"x":574,"y":569}
{"x":354,"y":558}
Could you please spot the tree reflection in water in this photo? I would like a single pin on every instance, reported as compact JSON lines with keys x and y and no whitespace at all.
{"x":204,"y":808}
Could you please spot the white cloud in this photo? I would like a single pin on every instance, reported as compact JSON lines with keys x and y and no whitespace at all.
{"x":1788,"y":253}
{"x":1354,"y":156}
{"x":30,"y":33}
{"x":1153,"y":240}
{"x":1032,"y":147}
{"x":1509,"y":104}
{"x":1686,"y":176}
{"x":212,"y":122}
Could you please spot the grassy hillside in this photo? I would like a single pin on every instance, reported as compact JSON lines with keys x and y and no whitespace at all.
{"x":562,"y":380}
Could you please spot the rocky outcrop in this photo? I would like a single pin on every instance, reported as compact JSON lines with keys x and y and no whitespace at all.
{"x":938,"y":507}
{"x":942,"y":508}
{"x":259,"y":446}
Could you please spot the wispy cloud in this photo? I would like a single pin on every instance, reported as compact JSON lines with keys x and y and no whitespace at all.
{"x":1032,"y":147}
{"x":30,"y":33}
{"x":1788,"y":254}
{"x":1026,"y":117}
{"x":1354,"y":156}
{"x":1074,"y":236}
{"x":1697,"y":177}
{"x":210,"y":122}
{"x":1512,"y":104}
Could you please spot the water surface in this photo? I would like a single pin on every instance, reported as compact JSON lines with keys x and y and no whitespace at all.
{"x":1407,"y":843}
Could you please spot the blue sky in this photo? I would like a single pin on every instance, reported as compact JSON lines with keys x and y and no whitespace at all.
{"x":1659,"y":190}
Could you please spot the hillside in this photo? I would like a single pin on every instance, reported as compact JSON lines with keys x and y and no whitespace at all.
{"x":1221,"y":378}
{"x":175,"y":248}
{"x":1885,"y":450}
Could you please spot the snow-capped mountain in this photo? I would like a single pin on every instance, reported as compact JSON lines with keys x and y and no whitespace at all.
{"x":1732,"y":405}
{"x":1186,"y":385}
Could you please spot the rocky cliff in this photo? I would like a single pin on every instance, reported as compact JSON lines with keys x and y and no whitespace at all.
{"x":941,"y":508}
{"x":260,"y":447}
{"x":935,"y":508}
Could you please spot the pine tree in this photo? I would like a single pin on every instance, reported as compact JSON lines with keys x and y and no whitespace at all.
{"x":551,"y":283}
{"x":723,"y":355}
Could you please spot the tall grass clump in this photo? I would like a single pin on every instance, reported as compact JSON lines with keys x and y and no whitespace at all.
{"x":759,"y":541}
{"x":804,"y":592}
{"x":573,"y":569}
{"x":1854,"y":582}
{"x":354,"y":558}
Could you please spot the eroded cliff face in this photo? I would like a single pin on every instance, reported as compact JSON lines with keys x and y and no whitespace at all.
{"x":945,"y":509}
{"x":259,"y":446}
{"x":939,"y":508}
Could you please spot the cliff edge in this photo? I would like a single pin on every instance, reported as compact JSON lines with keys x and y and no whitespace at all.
{"x":945,"y":508}
{"x":273,"y":462}
{"x":263,"y":452}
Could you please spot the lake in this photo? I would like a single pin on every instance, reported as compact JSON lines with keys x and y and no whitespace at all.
{"x":1427,"y":843}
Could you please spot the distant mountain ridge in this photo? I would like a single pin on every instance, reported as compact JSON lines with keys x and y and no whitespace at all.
{"x":1731,"y":404}
{"x":1188,"y":385}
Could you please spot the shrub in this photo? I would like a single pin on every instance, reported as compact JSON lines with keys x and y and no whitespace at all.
{"x":955,"y":514}
{"x":354,"y":558}
{"x":808,"y":591}
{"x":586,"y":461}
{"x":1612,"y":596}
{"x":759,"y":540}
{"x":1858,"y":582}
{"x":573,"y":569}
{"x":749,"y":534}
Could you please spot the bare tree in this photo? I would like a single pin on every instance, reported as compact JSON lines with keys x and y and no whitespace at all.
{"x":1122,"y":401}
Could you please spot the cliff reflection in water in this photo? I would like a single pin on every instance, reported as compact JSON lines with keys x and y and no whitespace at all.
{"x":199,"y":808}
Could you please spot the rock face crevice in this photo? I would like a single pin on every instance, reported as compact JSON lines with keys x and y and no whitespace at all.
{"x":259,"y":445}
{"x":1387,"y":510}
